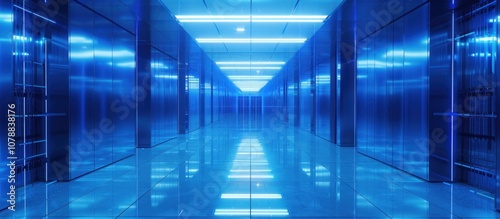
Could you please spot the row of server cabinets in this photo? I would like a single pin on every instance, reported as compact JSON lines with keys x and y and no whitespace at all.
{"x":476,"y":48}
{"x":73,"y":84}
{"x":424,"y":92}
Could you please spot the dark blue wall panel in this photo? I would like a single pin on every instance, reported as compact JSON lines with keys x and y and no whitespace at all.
{"x":305,"y":95}
{"x":194,"y":99}
{"x":416,"y":92}
{"x":81,"y":89}
{"x":393,"y":93}
{"x":102,"y":81}
{"x":123,"y":80}
{"x":163,"y":97}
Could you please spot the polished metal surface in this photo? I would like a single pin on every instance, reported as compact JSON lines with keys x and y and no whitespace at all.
{"x":393,"y":94}
{"x":442,"y":83}
{"x":163,"y":98}
{"x":6,"y":87}
{"x":306,"y":99}
{"x":102,"y":82}
{"x":347,"y":81}
{"x":323,"y":99}
{"x":193,"y":90}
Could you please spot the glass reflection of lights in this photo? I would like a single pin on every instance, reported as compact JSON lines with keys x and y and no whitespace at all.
{"x":166,"y":76}
{"x":192,"y":168}
{"x":495,"y":20}
{"x":250,"y":85}
{"x":21,"y":38}
{"x":253,"y":212}
{"x":485,"y":39}
{"x":250,"y":163}
{"x":321,"y":175}
{"x":102,"y":53}
{"x":80,"y":40}
{"x":323,"y":79}
{"x":377,"y":64}
{"x":250,"y":153}
{"x":407,"y":54}
{"x":22,"y":54}
{"x":159,"y":65}
{"x":126,"y":64}
{"x":6,"y":18}
{"x":480,"y":54}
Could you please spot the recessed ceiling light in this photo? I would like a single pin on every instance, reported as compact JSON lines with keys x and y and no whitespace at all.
{"x":254,"y":212}
{"x":248,"y":18}
{"x":240,"y":29}
{"x":249,"y":63}
{"x":249,"y":68}
{"x":251,"y":196}
{"x":251,"y":40}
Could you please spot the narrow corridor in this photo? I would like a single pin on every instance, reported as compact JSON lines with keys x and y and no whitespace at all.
{"x":251,"y":167}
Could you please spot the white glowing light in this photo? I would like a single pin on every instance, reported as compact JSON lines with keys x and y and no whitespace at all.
{"x":251,"y":196}
{"x":251,"y":40}
{"x":253,"y":212}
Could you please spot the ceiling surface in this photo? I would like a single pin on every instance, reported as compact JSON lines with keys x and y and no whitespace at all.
{"x":250,"y":40}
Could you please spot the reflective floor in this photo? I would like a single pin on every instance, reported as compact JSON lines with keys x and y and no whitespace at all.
{"x":243,"y":169}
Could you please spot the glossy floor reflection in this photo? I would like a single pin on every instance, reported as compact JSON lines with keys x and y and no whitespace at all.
{"x":250,"y":168}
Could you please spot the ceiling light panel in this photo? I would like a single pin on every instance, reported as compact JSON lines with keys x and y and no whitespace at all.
{"x":248,"y":56}
{"x":274,"y":26}
{"x":249,"y":18}
{"x":253,"y":212}
{"x":251,"y":40}
{"x":250,"y":196}
{"x":250,"y":68}
{"x":250,"y":63}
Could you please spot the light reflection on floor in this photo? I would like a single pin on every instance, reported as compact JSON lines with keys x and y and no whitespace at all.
{"x":251,"y":165}
{"x":226,"y":170}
